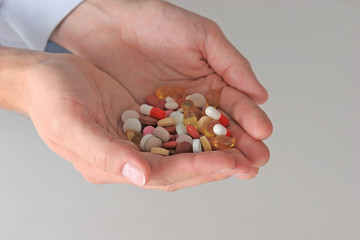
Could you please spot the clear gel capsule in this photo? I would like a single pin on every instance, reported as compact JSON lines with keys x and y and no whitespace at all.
{"x":222,"y":142}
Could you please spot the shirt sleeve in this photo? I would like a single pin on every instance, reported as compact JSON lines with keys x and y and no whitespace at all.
{"x":33,"y":21}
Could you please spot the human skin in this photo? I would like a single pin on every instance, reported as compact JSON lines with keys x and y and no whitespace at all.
{"x":76,"y":109}
{"x":145,"y":44}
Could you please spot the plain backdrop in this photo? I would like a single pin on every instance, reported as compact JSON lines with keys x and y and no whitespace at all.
{"x":307,"y":54}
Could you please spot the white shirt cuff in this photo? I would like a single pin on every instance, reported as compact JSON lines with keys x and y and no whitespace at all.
{"x":35,"y":20}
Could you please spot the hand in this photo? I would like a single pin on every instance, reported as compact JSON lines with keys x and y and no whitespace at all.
{"x":77,"y":109}
{"x":147,"y":44}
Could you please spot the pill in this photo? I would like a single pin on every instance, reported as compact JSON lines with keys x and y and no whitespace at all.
{"x":180,"y":101}
{"x":169,"y":144}
{"x":147,"y":120}
{"x":181,"y":129}
{"x":187,"y":105}
{"x":171,"y":105}
{"x":172,"y":152}
{"x":198,"y":113}
{"x":144,"y":139}
{"x":160,"y":151}
{"x":219,"y":129}
{"x":152,"y":111}
{"x":171,"y":129}
{"x":184,"y":147}
{"x":198,"y":99}
{"x":164,"y":92}
{"x":190,"y":118}
{"x":196,"y":146}
{"x":178,"y":92}
{"x":169,"y":99}
{"x":168,"y":112}
{"x":132,"y":124}
{"x":205,"y":143}
{"x":203,"y":123}
{"x":191,"y":130}
{"x":152,"y":142}
{"x":178,"y":116}
{"x":172,"y":137}
{"x":209,"y":130}
{"x":154,"y":101}
{"x":166,"y":122}
{"x":129,"y":114}
{"x":222,"y":142}
{"x":184,"y":138}
{"x":180,"y":110}
{"x":215,"y":114}
{"x":148,"y":130}
{"x":213,"y":98}
{"x":161,"y":133}
{"x":134,"y":136}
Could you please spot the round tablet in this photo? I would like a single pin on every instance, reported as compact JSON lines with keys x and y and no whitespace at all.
{"x":161,"y":133}
{"x":205,"y":143}
{"x":152,"y":142}
{"x":178,"y":116}
{"x":184,"y":147}
{"x":198,"y":99}
{"x":171,"y":105}
{"x":129,"y":114}
{"x":148,"y":130}
{"x":196,"y":146}
{"x":181,"y":129}
{"x":132,"y":124}
{"x":144,"y":139}
{"x":184,"y":138}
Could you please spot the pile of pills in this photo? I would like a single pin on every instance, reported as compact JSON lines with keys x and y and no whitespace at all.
{"x":171,"y":123}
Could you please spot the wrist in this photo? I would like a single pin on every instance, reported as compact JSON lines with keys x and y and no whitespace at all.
{"x":15,"y":72}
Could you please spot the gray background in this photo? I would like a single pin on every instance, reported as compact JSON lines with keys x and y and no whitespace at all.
{"x":307,"y":54}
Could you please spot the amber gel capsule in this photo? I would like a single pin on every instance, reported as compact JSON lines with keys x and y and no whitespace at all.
{"x":134,"y":136}
{"x":190,"y":118}
{"x":187,"y":105}
{"x":164,"y":92}
{"x":213,"y":98}
{"x":222,"y":142}
{"x":209,"y":130}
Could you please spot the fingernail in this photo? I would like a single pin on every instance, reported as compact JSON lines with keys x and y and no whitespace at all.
{"x":133,"y":174}
{"x":240,"y":174}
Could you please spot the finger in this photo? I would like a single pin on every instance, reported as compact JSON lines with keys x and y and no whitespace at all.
{"x":254,"y":172}
{"x":255,"y":151}
{"x":245,"y":112}
{"x":228,"y":62}
{"x":168,"y":170}
{"x":76,"y":130}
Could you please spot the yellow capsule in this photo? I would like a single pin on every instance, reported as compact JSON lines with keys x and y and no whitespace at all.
{"x":190,"y":118}
{"x":178,"y":93}
{"x":222,"y":142}
{"x":213,"y":98}
{"x":203,"y":123}
{"x":134,"y":136}
{"x":164,"y":92}
{"x":209,"y":132}
{"x":187,"y":105}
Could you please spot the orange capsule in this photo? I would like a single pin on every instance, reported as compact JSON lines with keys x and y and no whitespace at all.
{"x":222,"y":142}
{"x":213,"y":98}
{"x":164,"y":92}
{"x":178,"y":93}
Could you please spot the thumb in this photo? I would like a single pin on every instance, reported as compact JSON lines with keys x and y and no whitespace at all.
{"x":234,"y":68}
{"x":80,"y":134}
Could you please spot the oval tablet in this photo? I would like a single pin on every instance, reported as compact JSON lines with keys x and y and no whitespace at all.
{"x":171,"y":105}
{"x":129,"y":114}
{"x":196,"y":146}
{"x":191,"y":130}
{"x":160,"y":151}
{"x":170,"y":144}
{"x":161,"y":133}
{"x":184,"y":147}
{"x":147,"y":120}
{"x":184,"y":138}
{"x":205,"y":143}
{"x":144,"y":139}
{"x":155,"y":102}
{"x":152,"y":142}
{"x":198,"y":99}
{"x":178,"y":116}
{"x":132,"y":124}
{"x":181,"y":129}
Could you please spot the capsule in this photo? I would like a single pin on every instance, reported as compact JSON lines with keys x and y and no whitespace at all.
{"x":209,"y":130}
{"x":152,"y":111}
{"x":178,"y":92}
{"x":187,"y":105}
{"x":213,"y":98}
{"x":222,"y":142}
{"x":190,"y":118}
{"x":203,"y":123}
{"x":134,"y":136}
{"x":198,"y":113}
{"x":219,"y":129}
{"x":216,"y":115}
{"x":164,"y":92}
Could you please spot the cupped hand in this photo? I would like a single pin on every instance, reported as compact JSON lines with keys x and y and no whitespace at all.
{"x":77,"y":109}
{"x":148,"y":44}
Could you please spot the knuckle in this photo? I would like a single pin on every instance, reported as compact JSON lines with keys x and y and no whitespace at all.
{"x":101,"y":160}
